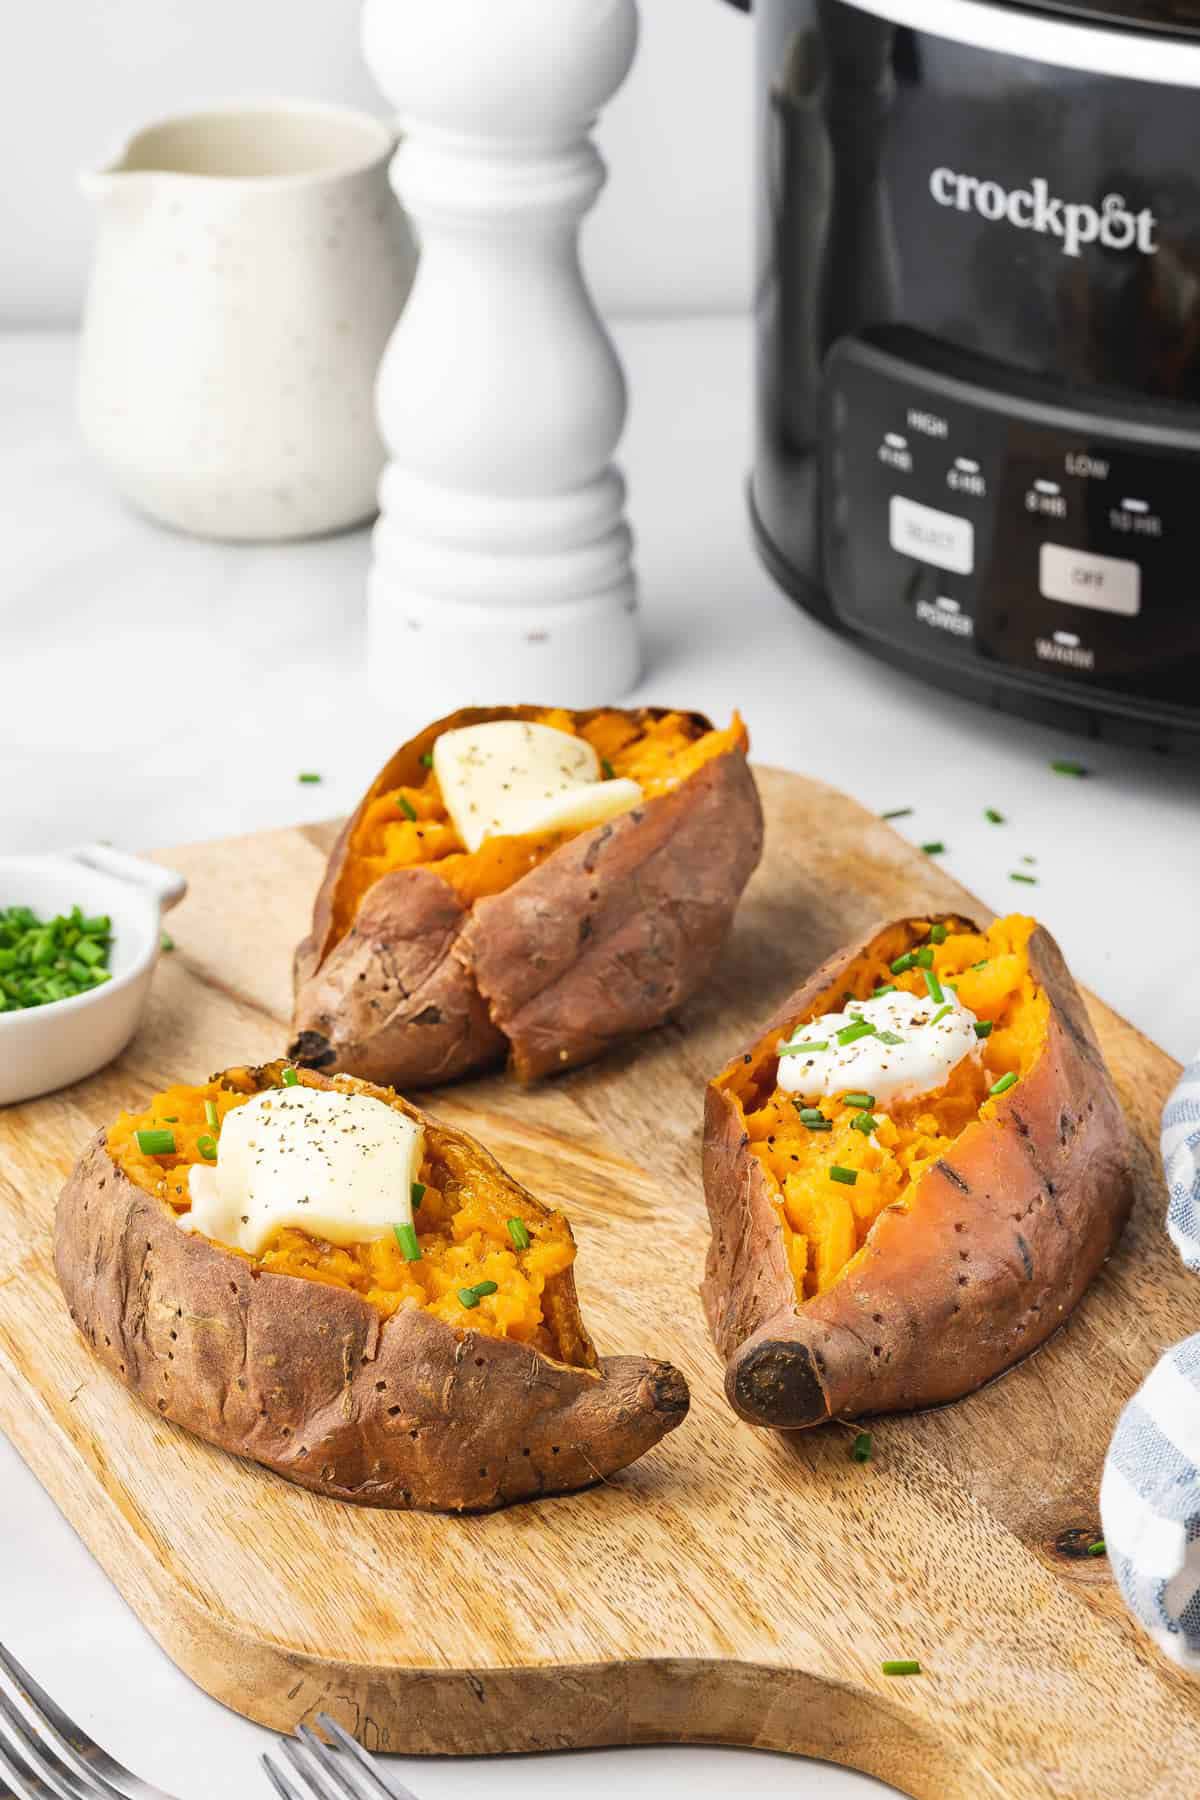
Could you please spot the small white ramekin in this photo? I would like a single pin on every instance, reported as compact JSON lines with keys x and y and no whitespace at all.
{"x":46,"y":1047}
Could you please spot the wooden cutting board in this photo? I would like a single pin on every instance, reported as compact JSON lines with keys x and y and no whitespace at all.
{"x":733,"y":1587}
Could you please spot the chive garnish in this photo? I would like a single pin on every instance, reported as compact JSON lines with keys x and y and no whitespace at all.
{"x":898,"y":812}
{"x":904,"y":963}
{"x":794,"y":1049}
{"x":821,"y":1124}
{"x":850,"y":1034}
{"x":1005,"y":1082}
{"x":407,"y":808}
{"x":418,"y":1194}
{"x":156,"y":1143}
{"x":210,"y":1113}
{"x":811,"y":1112}
{"x":1063,"y":765}
{"x":518,"y":1233}
{"x":290,"y":1077}
{"x":980,"y":965}
{"x":901,"y":1665}
{"x":862,"y":1447}
{"x":607,"y":769}
{"x":937,"y":934}
{"x":1099,"y":1548}
{"x":166,"y":942}
{"x":1019,"y":875}
{"x":992,"y":816}
{"x":308,"y":777}
{"x":939,"y":1016}
{"x":859,"y":1100}
{"x":933,"y":987}
{"x":890,"y":1037}
{"x":847,"y":1177}
{"x":983,"y":1028}
{"x":426,"y":760}
{"x":864,"y":1122}
{"x":936,"y":848}
{"x":889,"y":987}
{"x":207,"y":1146}
{"x":924,"y":957}
{"x":473,"y":1295}
{"x":406,"y":1237}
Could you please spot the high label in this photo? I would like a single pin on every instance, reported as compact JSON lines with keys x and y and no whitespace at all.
{"x":1035,"y":209}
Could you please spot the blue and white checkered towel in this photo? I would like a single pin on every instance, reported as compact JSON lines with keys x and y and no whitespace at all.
{"x":1150,"y":1494}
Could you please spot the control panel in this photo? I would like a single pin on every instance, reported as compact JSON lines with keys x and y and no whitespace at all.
{"x":972,"y":524}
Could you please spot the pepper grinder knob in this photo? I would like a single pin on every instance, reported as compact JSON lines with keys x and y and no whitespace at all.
{"x":502,"y":561}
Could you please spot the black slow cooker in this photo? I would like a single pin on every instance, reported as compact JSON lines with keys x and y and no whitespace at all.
{"x":978,"y":306}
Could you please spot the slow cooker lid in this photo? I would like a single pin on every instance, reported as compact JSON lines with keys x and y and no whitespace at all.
{"x":1175,"y":18}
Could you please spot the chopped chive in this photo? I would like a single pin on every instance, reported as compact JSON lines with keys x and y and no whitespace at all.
{"x":992,"y":816}
{"x":1029,"y":859}
{"x":850,"y":1034}
{"x":290,"y":1077}
{"x":890,"y":1037}
{"x":407,"y":808}
{"x":518,"y":1233}
{"x":1099,"y":1548}
{"x":1019,"y":875}
{"x":889,"y":987}
{"x":937,"y":934}
{"x":156,"y":1143}
{"x":939,"y":1016}
{"x":925,"y":957}
{"x":862,"y":1447}
{"x":903,"y":963}
{"x":898,"y":812}
{"x":933,"y":987}
{"x":210,"y":1113}
{"x":936,"y":848}
{"x":864,"y":1122}
{"x":1005,"y":1082}
{"x":166,"y":942}
{"x":426,"y":760}
{"x":901,"y":1665}
{"x":308,"y":777}
{"x":813,"y":1119}
{"x":847,"y":1177}
{"x":608,"y":771}
{"x":859,"y":1100}
{"x":980,"y":965}
{"x":811,"y":1112}
{"x":485,"y":1287}
{"x":473,"y":1295}
{"x":794,"y":1049}
{"x":418,"y":1194}
{"x":207,"y":1147}
{"x":1063,"y":765}
{"x":172,"y":1120}
{"x":406,"y":1237}
{"x":983,"y":1028}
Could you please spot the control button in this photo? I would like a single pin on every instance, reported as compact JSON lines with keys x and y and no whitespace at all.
{"x":966,"y":477}
{"x":1134,"y":517}
{"x":945,"y":614}
{"x":1046,"y":497}
{"x":895,"y":452}
{"x":1079,"y":577}
{"x":931,"y":536}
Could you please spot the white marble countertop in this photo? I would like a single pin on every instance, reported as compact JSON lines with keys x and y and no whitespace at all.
{"x":155,"y":690}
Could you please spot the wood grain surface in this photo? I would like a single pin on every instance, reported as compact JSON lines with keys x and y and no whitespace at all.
{"x":733,"y":1587}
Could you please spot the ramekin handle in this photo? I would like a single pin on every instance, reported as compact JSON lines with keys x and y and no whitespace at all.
{"x":167,"y":887}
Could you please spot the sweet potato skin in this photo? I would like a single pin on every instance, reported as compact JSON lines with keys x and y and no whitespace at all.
{"x":996,"y":1247}
{"x":312,"y":1382}
{"x":605,"y":939}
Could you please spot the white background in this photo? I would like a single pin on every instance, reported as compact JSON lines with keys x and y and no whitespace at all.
{"x":672,"y":234}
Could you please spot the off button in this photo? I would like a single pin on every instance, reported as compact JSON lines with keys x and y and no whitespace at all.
{"x":1080,"y":578}
{"x":931,"y":536}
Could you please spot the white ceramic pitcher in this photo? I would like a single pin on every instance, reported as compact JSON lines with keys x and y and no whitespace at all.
{"x":250,"y":265}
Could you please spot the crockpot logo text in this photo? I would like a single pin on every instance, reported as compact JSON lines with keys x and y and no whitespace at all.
{"x":1035,"y":209}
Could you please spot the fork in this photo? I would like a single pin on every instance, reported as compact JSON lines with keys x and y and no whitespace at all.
{"x":46,"y":1756}
{"x":347,"y":1773}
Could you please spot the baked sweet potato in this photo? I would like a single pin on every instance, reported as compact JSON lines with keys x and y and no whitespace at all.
{"x":426,"y":961}
{"x":458,"y":1382}
{"x":871,"y":1261}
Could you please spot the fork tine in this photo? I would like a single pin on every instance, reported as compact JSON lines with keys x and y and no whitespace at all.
{"x":27,"y":1784}
{"x":35,"y":1756}
{"x":278,"y":1780}
{"x":69,"y":1741}
{"x":300,"y":1758}
{"x":353,"y":1748}
{"x":326,"y":1761}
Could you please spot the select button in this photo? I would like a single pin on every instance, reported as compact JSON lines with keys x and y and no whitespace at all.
{"x":1080,"y":578}
{"x":931,"y":536}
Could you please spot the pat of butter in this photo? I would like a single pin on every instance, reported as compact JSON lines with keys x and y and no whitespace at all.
{"x":511,"y":778}
{"x":337,"y":1166}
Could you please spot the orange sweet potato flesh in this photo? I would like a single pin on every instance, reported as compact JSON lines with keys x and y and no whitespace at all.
{"x":326,"y":1364}
{"x":975,"y":1224}
{"x":425,"y":962}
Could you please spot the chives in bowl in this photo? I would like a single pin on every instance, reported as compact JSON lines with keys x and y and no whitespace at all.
{"x":44,"y":960}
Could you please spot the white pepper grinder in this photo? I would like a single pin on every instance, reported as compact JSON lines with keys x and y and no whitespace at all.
{"x":502,"y":566}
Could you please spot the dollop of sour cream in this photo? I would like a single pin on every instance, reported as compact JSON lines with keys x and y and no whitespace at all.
{"x":914,"y":1046}
{"x":338,"y":1166}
